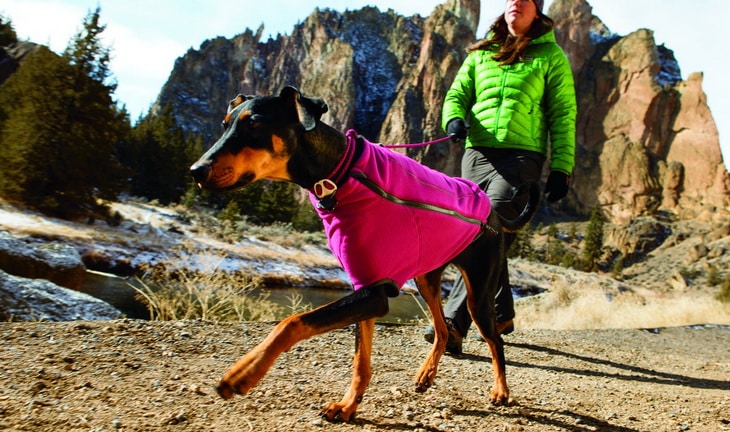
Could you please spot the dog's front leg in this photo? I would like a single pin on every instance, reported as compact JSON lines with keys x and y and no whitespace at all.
{"x":429,"y":286}
{"x":249,"y":369}
{"x":364,"y":304}
{"x":361,"y":374}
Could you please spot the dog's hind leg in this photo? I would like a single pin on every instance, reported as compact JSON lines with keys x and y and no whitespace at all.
{"x":481,"y":266}
{"x":361,"y":374}
{"x":364,"y":304}
{"x":487,"y":327}
{"x":429,"y":285}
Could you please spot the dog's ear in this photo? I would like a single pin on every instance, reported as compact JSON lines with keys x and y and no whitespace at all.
{"x":309,"y":110}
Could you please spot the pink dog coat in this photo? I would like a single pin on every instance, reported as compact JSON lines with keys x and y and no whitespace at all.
{"x":396,"y":219}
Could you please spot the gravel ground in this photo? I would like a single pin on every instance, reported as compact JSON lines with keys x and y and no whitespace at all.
{"x":131,"y":375}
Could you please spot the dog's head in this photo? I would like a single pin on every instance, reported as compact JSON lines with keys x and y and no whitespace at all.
{"x":260,"y":133}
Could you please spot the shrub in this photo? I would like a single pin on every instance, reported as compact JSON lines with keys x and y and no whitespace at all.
{"x":618,"y":268}
{"x":724,"y":294}
{"x":174,"y":292}
{"x":307,"y":219}
{"x":556,"y":250}
{"x":522,"y":247}
{"x":714,"y":278}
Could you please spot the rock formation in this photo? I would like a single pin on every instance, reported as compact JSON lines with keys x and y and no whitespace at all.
{"x":24,"y":299}
{"x":383,"y":74}
{"x":56,"y":262}
{"x":646,"y":139}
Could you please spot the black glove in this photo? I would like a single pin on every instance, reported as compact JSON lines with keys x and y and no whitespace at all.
{"x":456,"y":128}
{"x":557,"y":186}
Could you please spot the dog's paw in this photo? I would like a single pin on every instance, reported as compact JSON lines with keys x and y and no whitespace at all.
{"x":232,"y":384}
{"x":225,"y":390}
{"x":422,"y":386}
{"x":499,"y":397}
{"x":426,"y":375}
{"x":338,"y":412}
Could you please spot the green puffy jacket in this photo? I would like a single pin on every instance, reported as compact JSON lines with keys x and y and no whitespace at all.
{"x":519,"y":105}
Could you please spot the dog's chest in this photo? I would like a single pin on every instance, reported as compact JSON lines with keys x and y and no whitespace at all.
{"x":396,"y":218}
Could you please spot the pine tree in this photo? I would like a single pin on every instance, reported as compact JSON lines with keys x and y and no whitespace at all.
{"x":31,"y":143}
{"x":60,"y":128}
{"x":158,"y":156}
{"x":7,"y":32}
{"x":277,"y":203}
{"x":522,"y":246}
{"x":555,"y":250}
{"x":593,"y":246}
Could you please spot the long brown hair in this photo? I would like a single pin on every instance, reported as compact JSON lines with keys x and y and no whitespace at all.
{"x":510,"y":49}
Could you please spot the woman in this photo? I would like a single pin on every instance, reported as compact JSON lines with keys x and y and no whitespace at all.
{"x":514,"y":91}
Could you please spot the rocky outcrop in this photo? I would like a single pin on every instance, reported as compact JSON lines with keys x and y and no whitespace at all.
{"x":704,"y":178}
{"x":637,"y":239}
{"x":646,"y":138}
{"x":13,"y":56}
{"x":56,"y":262}
{"x":24,"y":299}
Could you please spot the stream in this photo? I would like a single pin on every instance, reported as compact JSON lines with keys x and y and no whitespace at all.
{"x":117,"y":292}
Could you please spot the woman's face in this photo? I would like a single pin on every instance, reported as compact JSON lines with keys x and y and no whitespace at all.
{"x":519,"y":15}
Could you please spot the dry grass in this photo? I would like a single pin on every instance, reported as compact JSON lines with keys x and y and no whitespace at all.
{"x":181,"y":289}
{"x":580,"y":308}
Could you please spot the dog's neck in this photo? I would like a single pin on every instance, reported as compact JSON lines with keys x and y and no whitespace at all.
{"x":317,"y":155}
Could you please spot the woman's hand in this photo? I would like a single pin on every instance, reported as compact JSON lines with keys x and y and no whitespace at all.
{"x":457,"y":130}
{"x":557,"y":186}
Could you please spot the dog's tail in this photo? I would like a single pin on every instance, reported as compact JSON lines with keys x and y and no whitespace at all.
{"x":533,"y":189}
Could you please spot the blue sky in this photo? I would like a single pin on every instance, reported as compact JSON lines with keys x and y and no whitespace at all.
{"x":147,"y":36}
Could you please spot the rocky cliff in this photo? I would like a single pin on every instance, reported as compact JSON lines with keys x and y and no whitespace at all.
{"x":646,"y":138}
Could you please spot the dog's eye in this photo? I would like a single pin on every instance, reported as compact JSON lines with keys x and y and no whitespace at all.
{"x":255,"y":120}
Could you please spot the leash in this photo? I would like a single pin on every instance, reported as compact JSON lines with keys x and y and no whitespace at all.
{"x":422,"y":144}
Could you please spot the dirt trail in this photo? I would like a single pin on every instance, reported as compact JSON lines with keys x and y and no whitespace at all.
{"x":133,"y":375}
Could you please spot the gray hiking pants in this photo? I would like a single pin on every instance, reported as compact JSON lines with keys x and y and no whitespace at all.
{"x":497,"y":172}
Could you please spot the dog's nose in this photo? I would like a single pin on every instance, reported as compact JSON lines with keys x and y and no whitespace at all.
{"x":200,"y":172}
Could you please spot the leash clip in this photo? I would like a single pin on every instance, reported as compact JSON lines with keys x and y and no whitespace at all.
{"x":325,"y":190}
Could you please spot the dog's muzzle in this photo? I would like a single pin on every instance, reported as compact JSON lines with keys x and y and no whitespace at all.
{"x":200,"y":172}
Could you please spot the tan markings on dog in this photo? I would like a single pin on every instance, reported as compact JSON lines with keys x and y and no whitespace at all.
{"x":229,"y":168}
{"x":227,"y":118}
{"x":279,"y":146}
{"x":276,"y":166}
{"x":225,"y":171}
{"x":235,"y":102}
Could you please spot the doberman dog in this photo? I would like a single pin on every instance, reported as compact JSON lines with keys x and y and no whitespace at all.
{"x":281,"y":137}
